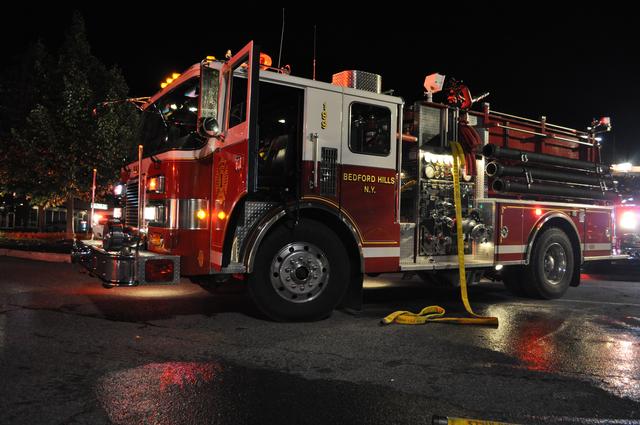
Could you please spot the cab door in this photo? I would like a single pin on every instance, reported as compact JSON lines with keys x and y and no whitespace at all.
{"x":234,"y":157}
{"x":369,"y":178}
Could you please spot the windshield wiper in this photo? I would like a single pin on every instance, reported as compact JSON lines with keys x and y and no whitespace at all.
{"x":164,"y":120}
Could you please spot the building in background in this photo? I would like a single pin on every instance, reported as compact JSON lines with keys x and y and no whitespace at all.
{"x":17,"y":214}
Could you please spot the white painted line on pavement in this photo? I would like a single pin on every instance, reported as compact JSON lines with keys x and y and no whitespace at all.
{"x":597,"y":302}
{"x":622,"y":286}
{"x":575,"y":420}
{"x":550,"y":304}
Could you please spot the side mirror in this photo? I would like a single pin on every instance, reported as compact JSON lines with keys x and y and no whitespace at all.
{"x":208,"y":109}
{"x":208,"y":127}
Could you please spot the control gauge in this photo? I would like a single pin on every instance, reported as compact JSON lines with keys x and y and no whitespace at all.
{"x":429,"y":171}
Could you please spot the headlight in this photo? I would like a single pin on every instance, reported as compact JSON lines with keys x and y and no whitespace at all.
{"x":118,"y":189}
{"x":155,"y":214}
{"x":191,"y":214}
{"x":150,"y":213}
{"x":629,"y":220}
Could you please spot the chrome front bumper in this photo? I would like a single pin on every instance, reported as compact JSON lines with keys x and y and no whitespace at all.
{"x":116,"y":269}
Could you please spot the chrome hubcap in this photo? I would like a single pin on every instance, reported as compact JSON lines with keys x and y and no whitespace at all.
{"x":555,"y":263}
{"x":299,"y":272}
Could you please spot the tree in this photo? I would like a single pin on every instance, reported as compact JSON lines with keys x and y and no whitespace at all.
{"x":54,"y":142}
{"x":26,"y":96}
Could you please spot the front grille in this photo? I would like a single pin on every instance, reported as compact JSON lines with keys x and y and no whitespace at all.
{"x":328,"y":161}
{"x":131,"y":206}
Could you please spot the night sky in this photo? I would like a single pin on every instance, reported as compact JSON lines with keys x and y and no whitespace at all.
{"x":571,"y":68}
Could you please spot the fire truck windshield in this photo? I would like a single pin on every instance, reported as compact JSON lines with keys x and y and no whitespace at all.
{"x":170,"y":122}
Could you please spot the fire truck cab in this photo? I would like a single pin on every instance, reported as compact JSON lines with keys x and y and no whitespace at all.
{"x":304,"y":186}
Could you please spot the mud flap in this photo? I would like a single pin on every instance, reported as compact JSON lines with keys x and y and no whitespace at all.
{"x":352,"y":301}
{"x":575,"y":279}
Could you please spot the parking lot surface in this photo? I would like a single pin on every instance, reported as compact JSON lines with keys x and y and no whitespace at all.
{"x":74,"y":352}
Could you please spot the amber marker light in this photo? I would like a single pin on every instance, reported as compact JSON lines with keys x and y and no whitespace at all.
{"x":155,"y":184}
{"x":222,"y":215}
{"x":169,"y":80}
{"x":201,"y":214}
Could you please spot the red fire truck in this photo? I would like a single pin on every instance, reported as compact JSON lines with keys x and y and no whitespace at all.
{"x":303,"y":187}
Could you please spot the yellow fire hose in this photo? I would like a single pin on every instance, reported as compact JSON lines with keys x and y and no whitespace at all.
{"x":435,"y":313}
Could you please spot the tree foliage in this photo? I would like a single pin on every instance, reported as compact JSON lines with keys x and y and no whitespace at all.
{"x":49,"y":140}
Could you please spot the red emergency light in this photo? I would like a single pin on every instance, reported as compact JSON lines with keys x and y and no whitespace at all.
{"x":265,"y":61}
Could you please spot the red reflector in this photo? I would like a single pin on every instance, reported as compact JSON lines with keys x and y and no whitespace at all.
{"x":158,"y":270}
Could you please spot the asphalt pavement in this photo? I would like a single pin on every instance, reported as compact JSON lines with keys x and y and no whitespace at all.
{"x":72,"y":352}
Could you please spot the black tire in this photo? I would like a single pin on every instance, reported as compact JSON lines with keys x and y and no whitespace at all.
{"x":300,"y":273}
{"x":551,"y":266}
{"x":512,"y":277}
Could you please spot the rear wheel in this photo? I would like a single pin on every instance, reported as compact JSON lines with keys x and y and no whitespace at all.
{"x":301,"y":272}
{"x":551,"y":265}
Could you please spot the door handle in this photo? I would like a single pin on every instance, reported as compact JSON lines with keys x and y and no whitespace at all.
{"x":313,"y":183}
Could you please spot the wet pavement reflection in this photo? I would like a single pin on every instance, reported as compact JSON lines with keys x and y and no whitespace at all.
{"x":216,"y":393}
{"x":552,"y":336}
{"x":606,"y":352}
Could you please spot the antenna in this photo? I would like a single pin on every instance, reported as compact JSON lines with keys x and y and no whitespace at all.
{"x":314,"y":52}
{"x":281,"y":38}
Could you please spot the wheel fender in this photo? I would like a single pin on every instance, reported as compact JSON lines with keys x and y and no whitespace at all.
{"x":261,"y":229}
{"x":544,"y":222}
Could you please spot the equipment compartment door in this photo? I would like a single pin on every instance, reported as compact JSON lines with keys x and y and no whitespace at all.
{"x":369,"y":179}
{"x":511,"y":247}
{"x":598,"y":233}
{"x":234,"y":163}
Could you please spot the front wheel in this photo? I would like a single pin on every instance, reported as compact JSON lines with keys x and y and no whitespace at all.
{"x":301,"y":272}
{"x":551,"y":266}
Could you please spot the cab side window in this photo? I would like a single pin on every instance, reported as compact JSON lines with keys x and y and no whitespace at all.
{"x":280,"y":110}
{"x":370,"y":129}
{"x":237,"y":105}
